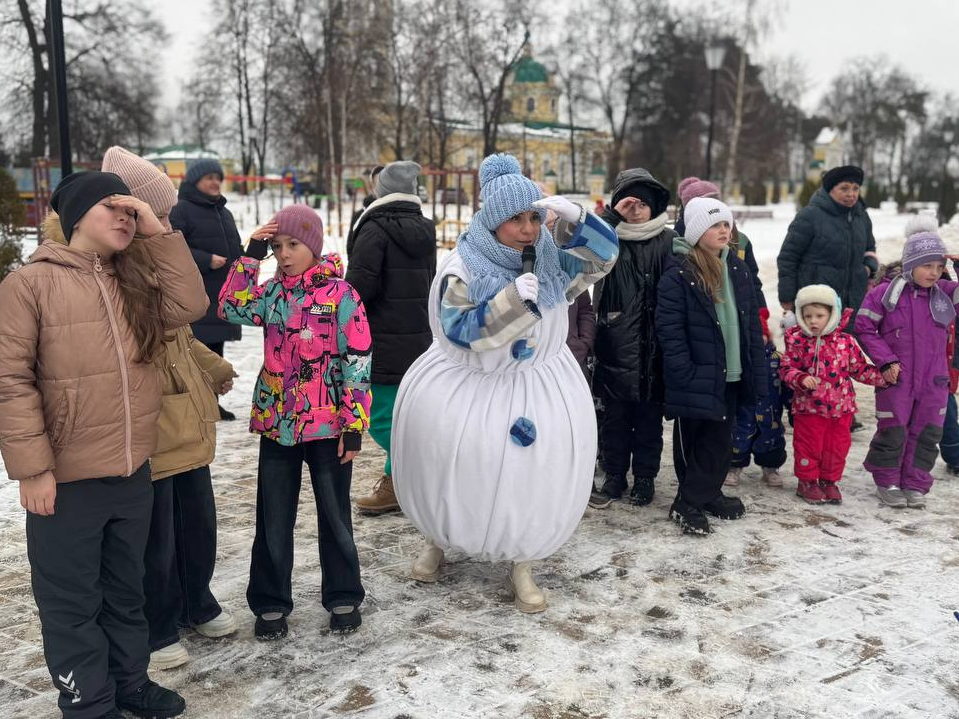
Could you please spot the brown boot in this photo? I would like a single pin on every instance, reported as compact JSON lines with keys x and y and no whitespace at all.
{"x":382,"y":500}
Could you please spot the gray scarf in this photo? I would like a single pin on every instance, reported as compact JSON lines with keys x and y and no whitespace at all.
{"x":942,"y":309}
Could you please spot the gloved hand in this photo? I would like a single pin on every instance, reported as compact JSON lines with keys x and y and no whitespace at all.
{"x":569,"y":211}
{"x":764,"y":323}
{"x":527,"y":286}
{"x":788,"y":320}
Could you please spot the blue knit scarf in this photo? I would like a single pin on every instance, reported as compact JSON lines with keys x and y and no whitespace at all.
{"x":493,"y":265}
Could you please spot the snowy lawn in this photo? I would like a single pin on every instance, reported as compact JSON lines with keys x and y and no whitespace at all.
{"x":793,"y":611}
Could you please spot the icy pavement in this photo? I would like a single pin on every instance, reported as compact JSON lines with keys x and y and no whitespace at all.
{"x":792,"y":612}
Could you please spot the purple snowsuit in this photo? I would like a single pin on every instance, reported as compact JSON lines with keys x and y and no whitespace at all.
{"x":910,"y":413}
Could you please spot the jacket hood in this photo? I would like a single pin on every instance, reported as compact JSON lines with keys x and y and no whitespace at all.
{"x":823,"y":295}
{"x":189,"y":191}
{"x":414,"y":244}
{"x":55,"y":249}
{"x":823,"y":201}
{"x":639,"y":176}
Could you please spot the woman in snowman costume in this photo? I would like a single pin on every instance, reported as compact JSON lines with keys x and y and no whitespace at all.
{"x":494,"y":438}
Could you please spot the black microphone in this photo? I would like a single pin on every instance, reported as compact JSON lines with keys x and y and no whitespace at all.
{"x":529,"y":258}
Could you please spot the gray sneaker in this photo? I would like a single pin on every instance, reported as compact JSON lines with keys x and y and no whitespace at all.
{"x":892,"y":496}
{"x":915,"y":499}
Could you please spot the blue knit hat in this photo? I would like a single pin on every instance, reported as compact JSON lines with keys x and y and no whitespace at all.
{"x":505,"y":192}
{"x":203,"y":166}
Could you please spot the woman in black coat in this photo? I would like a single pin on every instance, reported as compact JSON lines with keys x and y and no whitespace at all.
{"x":708,"y":326}
{"x":211,"y":234}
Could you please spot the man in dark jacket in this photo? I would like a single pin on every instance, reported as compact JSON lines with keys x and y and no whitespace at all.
{"x":211,"y":234}
{"x":629,"y":368}
{"x":830,"y":242}
{"x":391,"y":266}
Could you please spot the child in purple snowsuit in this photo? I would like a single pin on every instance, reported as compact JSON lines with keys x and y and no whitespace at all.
{"x":902,"y":326}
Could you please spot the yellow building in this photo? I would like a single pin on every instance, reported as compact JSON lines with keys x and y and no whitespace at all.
{"x":531,"y":130}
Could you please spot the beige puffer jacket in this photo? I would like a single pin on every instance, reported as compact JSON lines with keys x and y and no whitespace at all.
{"x":72,"y":398}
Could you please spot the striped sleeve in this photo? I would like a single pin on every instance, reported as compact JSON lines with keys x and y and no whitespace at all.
{"x":589,"y":251}
{"x":487,"y":325}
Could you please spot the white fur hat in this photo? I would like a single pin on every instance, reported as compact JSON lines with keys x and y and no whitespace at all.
{"x":818,"y":295}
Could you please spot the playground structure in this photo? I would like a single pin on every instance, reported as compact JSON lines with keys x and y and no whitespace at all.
{"x":449,"y":197}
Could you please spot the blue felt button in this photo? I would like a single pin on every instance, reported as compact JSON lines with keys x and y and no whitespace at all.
{"x":521,"y":350}
{"x":523,"y":432}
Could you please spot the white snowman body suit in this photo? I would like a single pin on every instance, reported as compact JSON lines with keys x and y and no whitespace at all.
{"x":494,"y":433}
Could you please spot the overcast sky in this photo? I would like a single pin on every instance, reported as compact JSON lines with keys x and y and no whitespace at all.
{"x":920,"y":35}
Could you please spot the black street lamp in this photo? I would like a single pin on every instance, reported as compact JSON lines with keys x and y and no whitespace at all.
{"x":715,"y":52}
{"x":55,"y":15}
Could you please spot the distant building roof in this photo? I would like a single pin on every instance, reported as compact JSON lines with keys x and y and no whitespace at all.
{"x":179,"y":152}
{"x":528,"y":70}
{"x":827,"y":136}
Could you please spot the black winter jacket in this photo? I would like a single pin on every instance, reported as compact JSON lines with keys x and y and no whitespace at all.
{"x":694,"y":355}
{"x":391,"y":266}
{"x":209,"y":229}
{"x":831,"y":245}
{"x":629,"y":363}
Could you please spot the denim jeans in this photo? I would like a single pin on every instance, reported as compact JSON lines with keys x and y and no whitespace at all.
{"x":277,"y":497}
{"x":180,"y":556}
{"x":949,"y":446}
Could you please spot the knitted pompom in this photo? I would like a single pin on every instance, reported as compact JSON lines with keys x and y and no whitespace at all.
{"x":921,"y":223}
{"x":498,"y":165}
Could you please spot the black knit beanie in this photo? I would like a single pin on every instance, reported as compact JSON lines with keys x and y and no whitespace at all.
{"x":79,"y":191}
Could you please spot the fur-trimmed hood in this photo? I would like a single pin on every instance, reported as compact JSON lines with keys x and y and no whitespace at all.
{"x":821,"y":295}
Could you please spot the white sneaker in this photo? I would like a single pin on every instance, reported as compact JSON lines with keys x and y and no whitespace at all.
{"x":914,"y":499}
{"x":528,"y":597}
{"x":426,"y":567}
{"x":772,"y":477}
{"x":169,"y":657}
{"x":221,"y":625}
{"x":891,"y":496}
{"x":732,"y":477}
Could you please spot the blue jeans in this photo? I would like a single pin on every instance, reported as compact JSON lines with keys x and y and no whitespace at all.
{"x":277,"y":497}
{"x":949,"y":446}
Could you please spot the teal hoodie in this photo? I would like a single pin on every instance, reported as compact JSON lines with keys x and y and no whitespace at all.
{"x":726,"y":313}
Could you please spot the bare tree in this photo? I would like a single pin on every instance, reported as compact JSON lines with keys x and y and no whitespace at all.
{"x":490,"y":41}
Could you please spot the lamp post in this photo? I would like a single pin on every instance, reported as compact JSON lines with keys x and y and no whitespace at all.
{"x":715,"y":52}
{"x":55,"y":13}
{"x":945,"y":196}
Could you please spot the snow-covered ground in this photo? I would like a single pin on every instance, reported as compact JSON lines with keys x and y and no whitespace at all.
{"x":792,"y":612}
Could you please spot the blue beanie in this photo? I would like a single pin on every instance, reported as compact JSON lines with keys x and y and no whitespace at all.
{"x":505,"y":191}
{"x":203,"y":166}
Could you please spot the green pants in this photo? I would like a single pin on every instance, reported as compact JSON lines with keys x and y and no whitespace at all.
{"x":381,"y":418}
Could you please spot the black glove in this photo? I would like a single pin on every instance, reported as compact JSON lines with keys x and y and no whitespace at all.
{"x":257,"y":249}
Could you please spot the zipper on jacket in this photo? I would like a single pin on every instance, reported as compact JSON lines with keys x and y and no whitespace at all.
{"x":121,"y":356}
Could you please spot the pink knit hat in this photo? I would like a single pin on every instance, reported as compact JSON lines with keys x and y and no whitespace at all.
{"x":145,"y":180}
{"x":301,"y":223}
{"x":694,"y":187}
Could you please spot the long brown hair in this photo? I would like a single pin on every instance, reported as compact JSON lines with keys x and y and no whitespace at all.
{"x":142,"y":298}
{"x":710,"y":272}
{"x":139,"y":288}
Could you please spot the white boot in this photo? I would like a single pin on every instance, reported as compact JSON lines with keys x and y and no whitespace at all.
{"x":426,"y":567}
{"x":223,"y":624}
{"x":529,"y":598}
{"x":772,"y":477}
{"x":732,"y":476}
{"x":169,"y":657}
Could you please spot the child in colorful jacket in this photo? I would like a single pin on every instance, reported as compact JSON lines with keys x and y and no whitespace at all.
{"x":903,"y":325}
{"x":819,"y":360}
{"x":311,"y":403}
{"x":759,"y":434}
